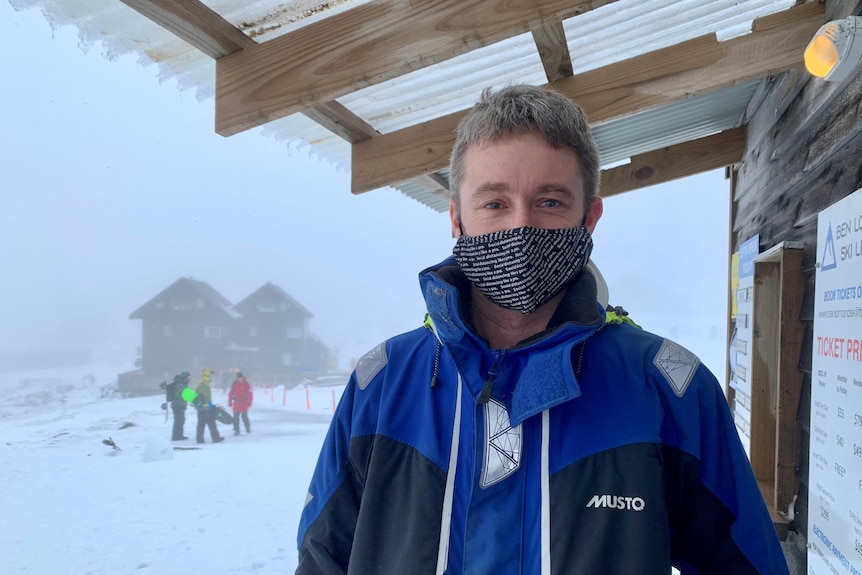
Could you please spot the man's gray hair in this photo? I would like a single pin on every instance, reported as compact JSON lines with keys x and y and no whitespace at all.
{"x":521,"y":109}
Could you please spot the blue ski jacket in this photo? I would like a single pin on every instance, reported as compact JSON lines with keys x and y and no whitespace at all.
{"x":588,"y":449}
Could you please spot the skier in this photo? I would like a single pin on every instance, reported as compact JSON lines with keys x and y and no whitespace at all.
{"x":174,"y":398}
{"x":206,"y":413}
{"x":240,"y":398}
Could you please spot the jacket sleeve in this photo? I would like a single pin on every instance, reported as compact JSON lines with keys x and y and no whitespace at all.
{"x":720,"y":520}
{"x":328,"y":520}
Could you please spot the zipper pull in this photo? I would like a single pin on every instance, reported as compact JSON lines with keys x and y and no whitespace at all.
{"x":485,"y":396}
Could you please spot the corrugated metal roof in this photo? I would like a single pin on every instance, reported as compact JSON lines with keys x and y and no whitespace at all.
{"x":612,"y":33}
{"x":694,"y":118}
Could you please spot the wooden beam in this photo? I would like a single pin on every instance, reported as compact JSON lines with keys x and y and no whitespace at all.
{"x":655,"y":79}
{"x":363,"y":46}
{"x":675,"y":162}
{"x":206,"y":30}
{"x":341,"y":121}
{"x":434,"y":184}
{"x":776,"y":43}
{"x":553,"y":50}
{"x":194,"y":22}
{"x":403,"y":154}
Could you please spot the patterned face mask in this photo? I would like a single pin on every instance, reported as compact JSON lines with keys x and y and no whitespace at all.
{"x":523,"y":268}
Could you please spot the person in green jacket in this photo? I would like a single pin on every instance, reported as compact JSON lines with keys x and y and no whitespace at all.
{"x":204,"y":404}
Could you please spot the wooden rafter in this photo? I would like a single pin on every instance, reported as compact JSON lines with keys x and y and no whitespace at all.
{"x":203,"y":28}
{"x":196,"y":23}
{"x":659,"y":78}
{"x":363,"y":46}
{"x":553,"y":50}
{"x":674,"y":162}
{"x":434,"y":184}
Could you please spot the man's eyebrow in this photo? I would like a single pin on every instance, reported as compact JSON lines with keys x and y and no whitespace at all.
{"x":557,"y":189}
{"x":489,"y":188}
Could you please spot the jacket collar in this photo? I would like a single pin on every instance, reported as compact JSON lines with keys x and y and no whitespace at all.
{"x":534,"y":375}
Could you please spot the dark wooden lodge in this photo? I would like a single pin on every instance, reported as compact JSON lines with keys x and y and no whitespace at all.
{"x":189,"y":326}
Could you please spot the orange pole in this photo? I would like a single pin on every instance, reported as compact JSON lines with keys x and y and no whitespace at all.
{"x":284,"y":397}
{"x":333,"y":401}
{"x":271,"y":394}
{"x":307,"y":400}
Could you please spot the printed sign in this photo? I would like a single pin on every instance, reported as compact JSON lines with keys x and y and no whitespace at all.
{"x":835,"y":463}
{"x":740,"y":344}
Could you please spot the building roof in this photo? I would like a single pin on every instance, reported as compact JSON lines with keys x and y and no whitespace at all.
{"x":280,"y":294}
{"x":377,"y":86}
{"x":202,"y":289}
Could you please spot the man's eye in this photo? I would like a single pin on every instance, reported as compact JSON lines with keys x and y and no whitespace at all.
{"x":493,"y":206}
{"x":550,"y":203}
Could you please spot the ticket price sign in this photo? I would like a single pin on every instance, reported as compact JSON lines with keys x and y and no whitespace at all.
{"x":835,"y":465}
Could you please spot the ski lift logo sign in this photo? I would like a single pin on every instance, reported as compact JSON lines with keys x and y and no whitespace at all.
{"x":849,"y":243}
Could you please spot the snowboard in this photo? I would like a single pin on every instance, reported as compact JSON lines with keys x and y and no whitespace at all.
{"x":221,"y":415}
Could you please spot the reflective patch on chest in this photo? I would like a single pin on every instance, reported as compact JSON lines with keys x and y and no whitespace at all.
{"x":502,"y":445}
{"x":677,"y":365}
{"x":370,"y":365}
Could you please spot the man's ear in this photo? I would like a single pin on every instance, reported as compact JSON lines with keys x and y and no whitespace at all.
{"x":453,"y":217}
{"x":596,"y":209}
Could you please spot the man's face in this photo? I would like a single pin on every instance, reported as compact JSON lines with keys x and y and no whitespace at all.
{"x":521,"y":181}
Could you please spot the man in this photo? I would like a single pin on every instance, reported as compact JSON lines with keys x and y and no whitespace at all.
{"x":526,"y":430}
{"x":240,"y":398}
{"x":203,"y":402}
{"x":174,"y":396}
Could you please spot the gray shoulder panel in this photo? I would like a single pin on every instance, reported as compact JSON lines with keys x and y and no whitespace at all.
{"x":677,"y":365}
{"x":370,"y":365}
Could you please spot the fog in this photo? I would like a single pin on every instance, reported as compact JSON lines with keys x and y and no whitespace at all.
{"x":115,"y":185}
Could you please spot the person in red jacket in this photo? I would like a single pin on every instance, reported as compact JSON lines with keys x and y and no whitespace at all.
{"x":240,"y":398}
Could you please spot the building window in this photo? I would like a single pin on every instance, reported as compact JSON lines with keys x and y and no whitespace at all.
{"x":214,"y":331}
{"x":200,"y":303}
{"x":286,"y":360}
{"x":252,"y":332}
{"x":160,"y":304}
{"x":294,"y":333}
{"x":167,"y":331}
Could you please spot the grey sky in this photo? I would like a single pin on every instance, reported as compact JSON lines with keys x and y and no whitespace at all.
{"x":114,"y":186}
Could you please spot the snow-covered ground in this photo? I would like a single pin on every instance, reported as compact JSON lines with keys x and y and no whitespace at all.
{"x":73,"y":505}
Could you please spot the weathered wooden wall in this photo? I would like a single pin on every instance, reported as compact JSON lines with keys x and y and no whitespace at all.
{"x":803,"y":153}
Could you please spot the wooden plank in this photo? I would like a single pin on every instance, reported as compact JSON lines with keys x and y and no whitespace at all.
{"x":363,"y":46}
{"x":781,"y":183}
{"x":789,"y":377}
{"x":400,"y":158}
{"x":194,"y":22}
{"x":341,"y":121}
{"x":434,"y":184}
{"x":780,"y":523}
{"x":764,"y":372}
{"x":553,"y":50}
{"x":655,"y":79}
{"x":697,"y":66}
{"x":675,"y":162}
